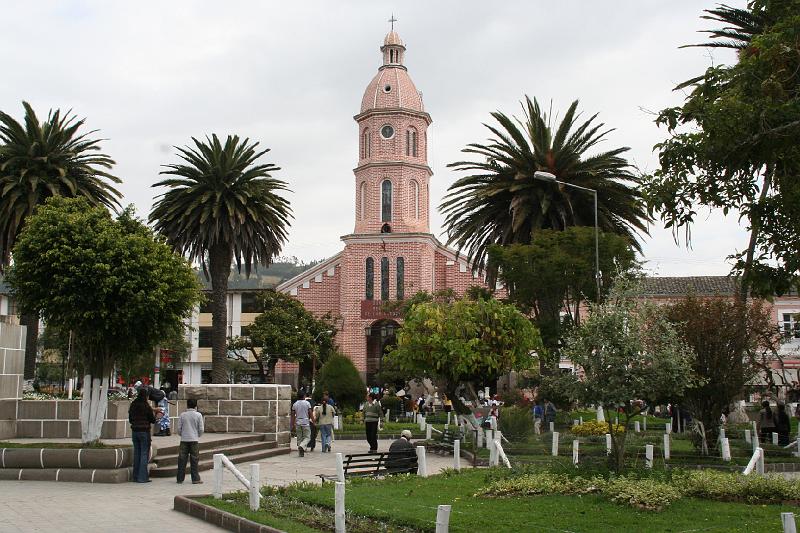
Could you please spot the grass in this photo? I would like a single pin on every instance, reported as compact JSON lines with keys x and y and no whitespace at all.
{"x":62,"y":445}
{"x":409,"y":502}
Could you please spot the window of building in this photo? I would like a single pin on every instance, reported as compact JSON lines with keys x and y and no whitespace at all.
{"x":790,"y":326}
{"x":365,"y":144}
{"x":244,"y":331}
{"x":387,"y":131}
{"x":386,"y":201}
{"x":401,"y":273}
{"x":414,"y":200}
{"x":384,"y":278}
{"x":206,"y":306}
{"x":411,"y":142}
{"x":362,"y":200}
{"x":12,"y":307}
{"x":251,"y":303}
{"x":204,"y":337}
{"x":369,"y":292}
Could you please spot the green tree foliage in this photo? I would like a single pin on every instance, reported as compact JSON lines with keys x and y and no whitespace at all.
{"x":286,"y":330}
{"x":464,"y":342}
{"x":39,"y":160}
{"x":733,"y":145}
{"x":341,"y":379}
{"x":500,"y":201}
{"x":116,"y":287}
{"x":556,"y":273}
{"x":732,"y":342}
{"x":222,"y":205}
{"x":631,"y":356}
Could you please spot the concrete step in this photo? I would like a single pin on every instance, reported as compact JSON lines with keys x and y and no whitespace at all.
{"x":208,"y":464}
{"x":207,"y":453}
{"x":172,"y":449}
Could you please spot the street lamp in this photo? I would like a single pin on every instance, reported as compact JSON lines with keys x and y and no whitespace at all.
{"x":314,"y":359}
{"x":551,"y":178}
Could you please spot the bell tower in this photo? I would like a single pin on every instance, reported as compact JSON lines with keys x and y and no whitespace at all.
{"x":391,"y":179}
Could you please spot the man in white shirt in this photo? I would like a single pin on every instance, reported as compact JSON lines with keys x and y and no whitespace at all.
{"x":302,"y":424}
{"x":190,"y":427}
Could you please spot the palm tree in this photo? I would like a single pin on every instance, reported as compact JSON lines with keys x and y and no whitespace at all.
{"x":500,"y":201}
{"x":221,"y":205}
{"x":742,"y":26}
{"x":39,"y":160}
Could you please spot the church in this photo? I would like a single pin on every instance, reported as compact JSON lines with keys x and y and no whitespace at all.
{"x":391,"y":253}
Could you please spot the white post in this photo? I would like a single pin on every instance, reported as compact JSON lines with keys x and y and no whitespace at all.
{"x":494,"y":456}
{"x":555,"y":444}
{"x":644,"y":422}
{"x":422,"y":466}
{"x":427,"y":432}
{"x":422,"y":423}
{"x":616,"y":420}
{"x":255,"y":487}
{"x":747,"y":436}
{"x":648,"y":455}
{"x":448,"y":417}
{"x":339,"y":515}
{"x":388,"y":412}
{"x":486,"y":393}
{"x":457,"y":454}
{"x":760,"y":463}
{"x":575,"y":422}
{"x":669,"y":427}
{"x":774,"y":438}
{"x":726,"y":450}
{"x":575,"y":444}
{"x":601,"y":416}
{"x":487,"y":441}
{"x":721,"y":434}
{"x":755,"y":432}
{"x":336,"y":422}
{"x":636,"y":426}
{"x":479,"y":433}
{"x":552,"y":427}
{"x":666,"y":446}
{"x":789,"y":526}
{"x":608,"y":444}
{"x":339,"y":468}
{"x":443,"y":519}
{"x":217,"y":489}
{"x":581,"y":420}
{"x":69,"y":389}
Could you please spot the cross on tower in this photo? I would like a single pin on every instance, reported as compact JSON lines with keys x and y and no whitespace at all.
{"x":392,"y":21}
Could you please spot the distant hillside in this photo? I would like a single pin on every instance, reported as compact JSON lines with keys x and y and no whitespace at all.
{"x":262,"y":278}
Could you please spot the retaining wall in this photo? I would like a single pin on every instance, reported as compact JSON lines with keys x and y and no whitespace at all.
{"x":12,"y":362}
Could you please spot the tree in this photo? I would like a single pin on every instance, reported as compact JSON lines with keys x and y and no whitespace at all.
{"x":341,"y":379}
{"x":742,"y":26}
{"x":556,"y":274}
{"x":286,"y":330}
{"x":501,"y":202}
{"x":464,"y":342}
{"x":39,"y":160}
{"x":630,"y":356}
{"x":222,"y":205}
{"x":733,"y":146}
{"x":732,"y":340}
{"x":116,"y":287}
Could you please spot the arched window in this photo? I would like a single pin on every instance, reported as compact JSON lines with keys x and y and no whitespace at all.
{"x":365,"y":148}
{"x":369,"y":292}
{"x":362,"y":200}
{"x":413,"y":201}
{"x":386,"y":201}
{"x":384,"y":278}
{"x":411,"y":142}
{"x":401,"y":268}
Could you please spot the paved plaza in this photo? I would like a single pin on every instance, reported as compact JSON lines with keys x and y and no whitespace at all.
{"x":30,"y":506}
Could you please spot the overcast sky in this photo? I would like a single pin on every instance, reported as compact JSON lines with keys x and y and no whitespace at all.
{"x":149,"y":75}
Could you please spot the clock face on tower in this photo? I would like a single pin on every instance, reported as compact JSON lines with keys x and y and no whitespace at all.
{"x":387,"y":132}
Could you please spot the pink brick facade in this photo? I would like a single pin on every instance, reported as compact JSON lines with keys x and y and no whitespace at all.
{"x":388,"y":227}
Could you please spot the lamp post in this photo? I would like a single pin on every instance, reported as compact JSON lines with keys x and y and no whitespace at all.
{"x":314,"y":359}
{"x":551,"y":178}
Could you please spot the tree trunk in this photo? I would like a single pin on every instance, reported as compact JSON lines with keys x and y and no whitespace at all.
{"x":94,"y":402}
{"x":31,"y":322}
{"x":220,"y":257}
{"x":744,"y":288}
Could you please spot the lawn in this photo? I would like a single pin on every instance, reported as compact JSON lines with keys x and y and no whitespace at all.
{"x":409,"y":503}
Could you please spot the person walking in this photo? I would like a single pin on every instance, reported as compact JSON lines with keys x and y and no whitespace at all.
{"x":312,"y":423}
{"x":783,"y":425}
{"x":302,"y":424}
{"x":372,"y":416}
{"x":538,"y":417}
{"x":190,"y":428}
{"x":323,"y":416}
{"x":549,"y":413}
{"x":766,"y":422}
{"x":141,"y":418}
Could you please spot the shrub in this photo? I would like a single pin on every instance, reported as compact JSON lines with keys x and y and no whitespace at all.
{"x":516,"y":423}
{"x":542,"y":483}
{"x":723,"y":486}
{"x":340,"y":377}
{"x":593,"y":428}
{"x":647,"y":494}
{"x":391,"y":403}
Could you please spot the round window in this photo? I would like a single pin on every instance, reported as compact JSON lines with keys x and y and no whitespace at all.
{"x":387,"y":88}
{"x":387,"y":132}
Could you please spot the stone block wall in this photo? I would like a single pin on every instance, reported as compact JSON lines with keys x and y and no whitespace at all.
{"x":241,"y":408}
{"x":60,"y":419}
{"x":12,"y":362}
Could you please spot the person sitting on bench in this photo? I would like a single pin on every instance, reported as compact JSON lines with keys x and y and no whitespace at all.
{"x":401,"y":453}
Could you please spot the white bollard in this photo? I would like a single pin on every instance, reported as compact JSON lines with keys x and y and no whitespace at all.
{"x":336,"y":422}
{"x":488,"y":439}
{"x":422,"y":423}
{"x":255,"y":487}
{"x":669,"y":427}
{"x":774,"y":438}
{"x":428,"y":432}
{"x":388,"y":412}
{"x":601,"y":416}
{"x":636,"y":427}
{"x":575,"y":422}
{"x":747,"y":436}
{"x":575,"y":445}
{"x":789,"y":526}
{"x":448,"y":418}
{"x":726,"y":450}
{"x":666,"y":446}
{"x":339,"y":513}
{"x":648,"y":456}
{"x":552,"y":427}
{"x":616,"y":421}
{"x":339,"y":467}
{"x":609,"y":444}
{"x":479,"y":438}
{"x":760,"y":462}
{"x":217,"y":489}
{"x":494,"y":460}
{"x":581,"y":420}
{"x":755,"y":432}
{"x":457,"y":454}
{"x":69,"y":389}
{"x":443,"y":519}
{"x":554,"y":450}
{"x":721,"y":434}
{"x":486,"y":393}
{"x":644,"y":422}
{"x":422,"y":465}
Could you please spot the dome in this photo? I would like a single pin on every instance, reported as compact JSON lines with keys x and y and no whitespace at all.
{"x":392,"y":38}
{"x":392,"y":88}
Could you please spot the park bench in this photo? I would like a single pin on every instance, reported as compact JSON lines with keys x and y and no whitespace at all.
{"x":376,"y":464}
{"x":448,"y":436}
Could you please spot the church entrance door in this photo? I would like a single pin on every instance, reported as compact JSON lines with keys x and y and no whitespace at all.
{"x":380,"y":336}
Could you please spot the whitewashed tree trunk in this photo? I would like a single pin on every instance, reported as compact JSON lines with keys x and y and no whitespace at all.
{"x":93,"y":407}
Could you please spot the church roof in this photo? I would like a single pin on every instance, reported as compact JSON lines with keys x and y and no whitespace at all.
{"x":392,"y":88}
{"x":392,"y":38}
{"x":683,"y":286}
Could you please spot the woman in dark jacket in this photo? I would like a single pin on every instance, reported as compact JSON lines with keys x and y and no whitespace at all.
{"x":766,"y":422}
{"x":141,"y":417}
{"x":783,"y":425}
